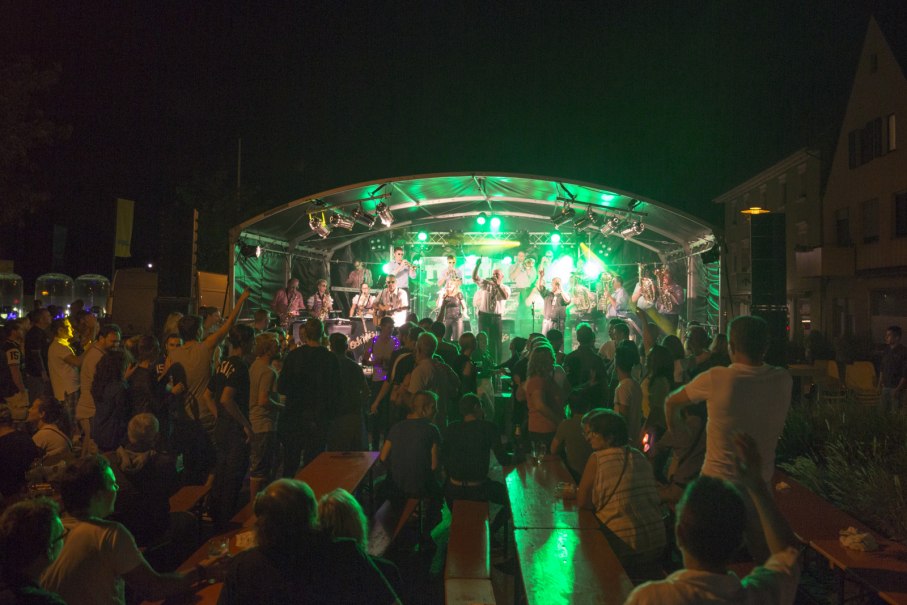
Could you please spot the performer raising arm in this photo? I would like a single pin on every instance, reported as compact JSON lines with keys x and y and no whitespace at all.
{"x":556,"y":301}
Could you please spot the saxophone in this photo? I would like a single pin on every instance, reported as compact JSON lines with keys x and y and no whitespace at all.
{"x":646,"y":290}
{"x":664,"y":296}
{"x":326,"y":303}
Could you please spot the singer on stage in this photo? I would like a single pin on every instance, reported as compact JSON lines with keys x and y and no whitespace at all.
{"x":491,"y":307}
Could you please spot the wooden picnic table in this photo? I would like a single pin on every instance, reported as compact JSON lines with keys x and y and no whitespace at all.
{"x":534,"y":502}
{"x":565,"y":566}
{"x":817,"y":522}
{"x":327,"y":472}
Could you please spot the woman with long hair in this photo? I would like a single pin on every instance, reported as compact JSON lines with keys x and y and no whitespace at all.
{"x":659,"y":381}
{"x":54,"y":428}
{"x":544,"y":396}
{"x":111,"y":397}
{"x":452,"y":310}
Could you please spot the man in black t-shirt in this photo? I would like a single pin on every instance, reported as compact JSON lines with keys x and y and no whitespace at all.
{"x":12,"y":382}
{"x":37,"y":342}
{"x":17,"y":452}
{"x":464,"y":454}
{"x":229,"y":390}
{"x":309,"y":381}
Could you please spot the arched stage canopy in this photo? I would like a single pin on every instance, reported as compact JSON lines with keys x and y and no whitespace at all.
{"x":443,"y":202}
{"x":444,"y":207}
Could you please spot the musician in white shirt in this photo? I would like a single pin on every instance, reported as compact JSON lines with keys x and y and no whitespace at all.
{"x":393,"y":301}
{"x":451,"y":273}
{"x":491,"y":307}
{"x":401,"y":269}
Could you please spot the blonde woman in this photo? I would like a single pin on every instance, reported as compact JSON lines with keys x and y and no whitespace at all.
{"x":452,"y":310}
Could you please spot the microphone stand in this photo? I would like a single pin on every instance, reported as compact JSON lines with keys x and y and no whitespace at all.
{"x":533,"y":316}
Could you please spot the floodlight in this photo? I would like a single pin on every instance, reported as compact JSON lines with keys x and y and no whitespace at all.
{"x":481,"y":219}
{"x":610,"y":226}
{"x":586,"y":221}
{"x":317,"y":225}
{"x":632,"y":230}
{"x":343,"y":222}
{"x":385,"y":214}
{"x":563,"y":216}
{"x":422,"y":236}
{"x":248,"y":250}
{"x":363,"y":218}
{"x":555,"y":238}
{"x":495,"y":223}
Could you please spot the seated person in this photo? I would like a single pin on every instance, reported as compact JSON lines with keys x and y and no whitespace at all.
{"x":341,"y":516}
{"x":570,"y":439}
{"x":17,"y":452}
{"x":100,"y":557}
{"x":31,"y":535}
{"x":52,"y":436}
{"x":619,"y":486}
{"x":293,"y":562}
{"x":411,"y":451}
{"x":146,"y":478}
{"x":711,"y":518}
{"x":685,"y":443}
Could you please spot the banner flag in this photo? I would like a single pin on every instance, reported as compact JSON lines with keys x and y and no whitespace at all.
{"x":123,"y":241}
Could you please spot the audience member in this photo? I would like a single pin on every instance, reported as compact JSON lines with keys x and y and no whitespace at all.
{"x":464,"y":367}
{"x":111,"y":399}
{"x":109,"y":338}
{"x":411,"y":451}
{"x":100,"y":557}
{"x":63,"y":365}
{"x":749,"y":396}
{"x":628,"y":394}
{"x":18,"y":452}
{"x":448,"y":351}
{"x":347,"y":426}
{"x":54,"y":429}
{"x":31,"y":535}
{"x":309,"y":382}
{"x":264,"y":412}
{"x":229,"y":390}
{"x":379,"y":357}
{"x":37,"y":342}
{"x":13,"y":390}
{"x":893,"y":372}
{"x":144,"y":393}
{"x":618,"y":485}
{"x":294,"y":562}
{"x":571,"y":439}
{"x":685,"y":444}
{"x":544,"y":396}
{"x":711,"y":519}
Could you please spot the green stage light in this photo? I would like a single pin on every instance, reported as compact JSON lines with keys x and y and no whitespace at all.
{"x":607,"y":197}
{"x":555,"y":238}
{"x":592,"y":269}
{"x":495,"y":223}
{"x":481,"y":218}
{"x":507,"y":261}
{"x":387,"y":269}
{"x":422,"y":236}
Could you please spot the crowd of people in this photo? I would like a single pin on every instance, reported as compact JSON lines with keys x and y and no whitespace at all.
{"x":118,"y":425}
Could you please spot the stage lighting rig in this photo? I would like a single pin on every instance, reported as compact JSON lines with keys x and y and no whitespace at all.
{"x":610,"y":226}
{"x":586,"y":221}
{"x":481,"y":219}
{"x":318,"y":225}
{"x":363,"y":218}
{"x":342,"y":222}
{"x":247,"y":250}
{"x":385,"y":214}
{"x":566,"y":214}
{"x":632,"y":230}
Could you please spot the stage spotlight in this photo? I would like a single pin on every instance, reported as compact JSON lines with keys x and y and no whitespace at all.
{"x":563,"y":216}
{"x":495,"y":223}
{"x":422,"y":236}
{"x":632,"y":230}
{"x":342,"y":222}
{"x":385,"y":214}
{"x":317,"y":225}
{"x":364,"y":218}
{"x":481,"y":219}
{"x":507,"y":261}
{"x":387,"y":269}
{"x":586,"y":221}
{"x":555,"y":238}
{"x":610,"y":226}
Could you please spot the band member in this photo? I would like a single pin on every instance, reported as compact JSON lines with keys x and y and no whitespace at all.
{"x":556,"y":301}
{"x":618,"y":302}
{"x":522,"y":271}
{"x":451,"y":273}
{"x":393,"y":301}
{"x":320,"y":304}
{"x":452,"y":310}
{"x":288,"y":302}
{"x":546,"y":260}
{"x":359,"y":275}
{"x":401,"y":269}
{"x":644,"y":292}
{"x":362,"y":313}
{"x":669,"y":299}
{"x":490,"y":306}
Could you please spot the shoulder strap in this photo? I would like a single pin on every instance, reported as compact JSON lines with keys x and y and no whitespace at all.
{"x":619,"y":479}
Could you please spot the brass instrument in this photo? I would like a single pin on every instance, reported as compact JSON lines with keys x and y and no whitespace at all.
{"x":664,"y":294}
{"x":646,"y":290}
{"x":603,"y":303}
{"x":326,"y":303}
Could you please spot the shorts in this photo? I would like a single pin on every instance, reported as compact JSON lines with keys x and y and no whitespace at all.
{"x":263,"y":454}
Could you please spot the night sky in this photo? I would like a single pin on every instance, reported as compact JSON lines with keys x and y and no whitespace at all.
{"x":675,"y":101}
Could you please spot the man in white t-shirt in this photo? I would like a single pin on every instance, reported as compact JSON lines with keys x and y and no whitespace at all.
{"x":747,"y":396}
{"x":100,"y":557}
{"x":63,"y":365}
{"x":711,"y":518}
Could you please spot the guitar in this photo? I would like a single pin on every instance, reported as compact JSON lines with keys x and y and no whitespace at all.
{"x":384,"y":310}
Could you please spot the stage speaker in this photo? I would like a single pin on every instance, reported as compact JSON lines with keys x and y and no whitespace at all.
{"x":778,"y":333}
{"x":178,"y":256}
{"x":768,"y":255}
